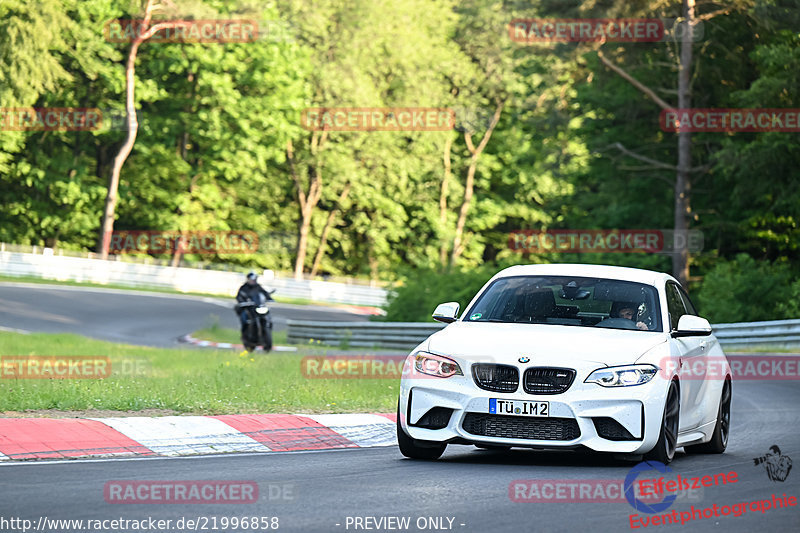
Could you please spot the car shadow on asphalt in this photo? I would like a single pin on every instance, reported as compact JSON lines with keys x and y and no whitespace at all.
{"x":529,"y":457}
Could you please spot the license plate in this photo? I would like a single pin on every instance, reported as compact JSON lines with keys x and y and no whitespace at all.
{"x":518,"y":407}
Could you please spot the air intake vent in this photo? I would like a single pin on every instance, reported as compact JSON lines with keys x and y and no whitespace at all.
{"x":520,"y":427}
{"x":436,"y":418}
{"x":610,"y":429}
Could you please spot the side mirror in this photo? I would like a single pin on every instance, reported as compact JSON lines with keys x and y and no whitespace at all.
{"x":692,"y":326}
{"x":446,"y":312}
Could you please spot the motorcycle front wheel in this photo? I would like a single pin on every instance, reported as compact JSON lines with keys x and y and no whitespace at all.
{"x":268,"y":338}
{"x":250,"y":334}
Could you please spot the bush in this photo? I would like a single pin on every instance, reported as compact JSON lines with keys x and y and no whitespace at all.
{"x":423,"y":290}
{"x":791,"y":308}
{"x":746,"y":290}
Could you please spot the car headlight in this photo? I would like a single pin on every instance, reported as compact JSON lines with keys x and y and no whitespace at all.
{"x":622,"y":376}
{"x":436,"y":365}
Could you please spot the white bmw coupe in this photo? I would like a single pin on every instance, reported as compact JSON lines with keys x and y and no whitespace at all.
{"x":560,"y":356}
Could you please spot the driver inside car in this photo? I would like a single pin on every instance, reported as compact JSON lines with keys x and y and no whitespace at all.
{"x":628,"y":311}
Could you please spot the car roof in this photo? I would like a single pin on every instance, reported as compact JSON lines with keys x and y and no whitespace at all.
{"x":638,"y":275}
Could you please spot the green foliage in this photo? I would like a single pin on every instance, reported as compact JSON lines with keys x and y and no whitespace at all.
{"x":758,"y":171}
{"x":746,"y":290}
{"x":422,"y":290}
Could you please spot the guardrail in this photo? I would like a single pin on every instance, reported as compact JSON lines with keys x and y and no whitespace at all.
{"x":406,"y":335}
{"x":50,"y":266}
{"x":401,"y":335}
{"x":779,"y":333}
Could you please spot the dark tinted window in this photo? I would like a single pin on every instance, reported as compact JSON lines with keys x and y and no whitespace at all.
{"x":687,"y":303}
{"x":674,"y":305}
{"x":568,"y":301}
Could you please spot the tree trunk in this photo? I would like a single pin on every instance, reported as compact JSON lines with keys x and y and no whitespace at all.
{"x":455,"y":253}
{"x":177,"y":255}
{"x":307,"y":201}
{"x":448,"y":145}
{"x":323,"y":240}
{"x":133,"y":127}
{"x":680,"y":256}
{"x":475,"y":152}
{"x":302,"y":241}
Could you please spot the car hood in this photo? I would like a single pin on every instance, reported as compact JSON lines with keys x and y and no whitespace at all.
{"x":542,"y":343}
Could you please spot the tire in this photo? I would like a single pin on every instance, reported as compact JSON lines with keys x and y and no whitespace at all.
{"x":250,"y":335}
{"x":719,"y":439}
{"x":664,"y":450}
{"x":268,"y":338}
{"x":417,"y":449}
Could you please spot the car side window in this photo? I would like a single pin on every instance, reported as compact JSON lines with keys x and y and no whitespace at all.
{"x":675,"y":305}
{"x":687,"y":303}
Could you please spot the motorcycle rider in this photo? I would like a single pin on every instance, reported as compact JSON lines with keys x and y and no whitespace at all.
{"x":250,"y":291}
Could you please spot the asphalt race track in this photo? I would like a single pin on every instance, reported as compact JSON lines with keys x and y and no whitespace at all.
{"x":467,"y":485}
{"x":132,"y":317}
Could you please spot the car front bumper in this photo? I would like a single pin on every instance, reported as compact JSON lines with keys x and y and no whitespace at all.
{"x":581,"y":408}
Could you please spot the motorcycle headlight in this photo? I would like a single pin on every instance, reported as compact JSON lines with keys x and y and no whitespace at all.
{"x":436,"y":365}
{"x":622,"y":376}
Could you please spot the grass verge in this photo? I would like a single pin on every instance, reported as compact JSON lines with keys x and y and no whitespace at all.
{"x":184,"y":380}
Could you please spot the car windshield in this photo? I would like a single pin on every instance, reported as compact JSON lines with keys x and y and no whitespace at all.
{"x":569,"y":301}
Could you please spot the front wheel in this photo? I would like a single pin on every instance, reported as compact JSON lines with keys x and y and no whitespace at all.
{"x":250,"y":333}
{"x":664,"y":450}
{"x":417,"y":449}
{"x":719,"y":439}
{"x":268,"y":338}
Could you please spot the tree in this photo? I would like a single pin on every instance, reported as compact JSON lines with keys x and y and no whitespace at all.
{"x":144,"y":31}
{"x":366,"y":55}
{"x":682,"y":185}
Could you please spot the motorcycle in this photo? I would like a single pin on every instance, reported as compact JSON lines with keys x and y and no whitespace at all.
{"x":258,"y":328}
